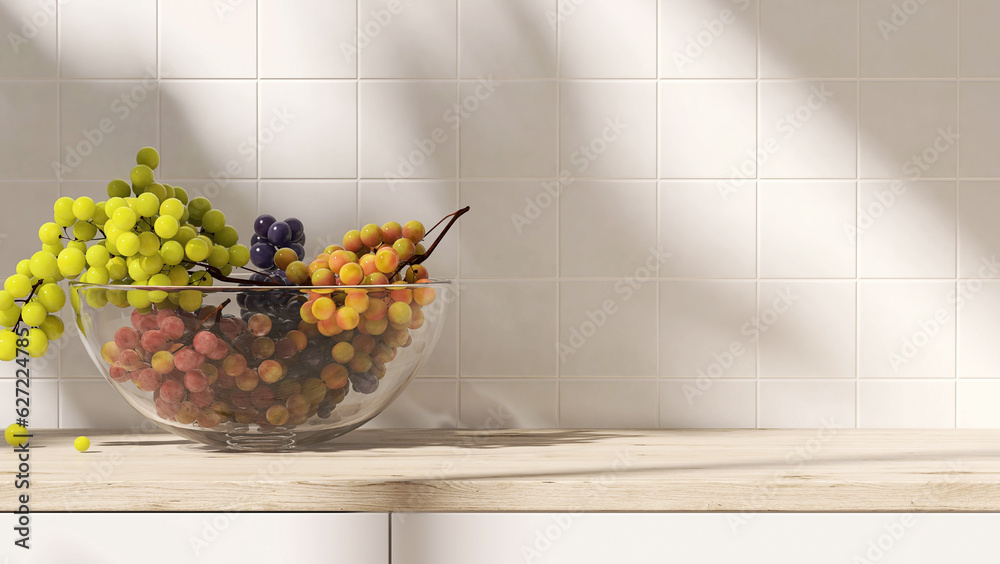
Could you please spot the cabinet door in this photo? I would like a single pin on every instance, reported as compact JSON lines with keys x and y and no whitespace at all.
{"x":792,"y":538}
{"x":175,"y":538}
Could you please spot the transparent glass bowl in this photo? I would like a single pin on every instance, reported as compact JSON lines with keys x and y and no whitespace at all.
{"x":291,"y":391}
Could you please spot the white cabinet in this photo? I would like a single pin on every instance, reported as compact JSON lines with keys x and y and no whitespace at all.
{"x":770,"y":538}
{"x":175,"y":538}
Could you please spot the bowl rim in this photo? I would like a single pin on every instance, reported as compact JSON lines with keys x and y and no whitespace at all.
{"x":433,"y":283}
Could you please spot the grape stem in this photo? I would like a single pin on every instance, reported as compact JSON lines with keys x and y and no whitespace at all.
{"x":217,"y":313}
{"x":218,"y":275}
{"x":26,"y":300}
{"x":417,"y":259}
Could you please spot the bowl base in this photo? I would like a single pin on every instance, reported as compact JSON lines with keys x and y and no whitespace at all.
{"x":262,"y":442}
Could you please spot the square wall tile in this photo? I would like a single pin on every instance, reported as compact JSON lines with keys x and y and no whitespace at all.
{"x":22,"y":227}
{"x":407,"y":129}
{"x":308,"y":38}
{"x":978,"y":229}
{"x":407,"y":39}
{"x":45,"y":367}
{"x":325,"y":225}
{"x":915,"y":40}
{"x":800,"y":405}
{"x":504,"y":240}
{"x":808,"y":129}
{"x":906,"y":229}
{"x":708,"y":39}
{"x":201,"y":39}
{"x":908,"y":129}
{"x":74,"y":361}
{"x":496,"y":341}
{"x":443,"y":360}
{"x":94,"y":404}
{"x":424,"y":200}
{"x":507,"y":39}
{"x":709,"y":229}
{"x":980,"y":126}
{"x":108,"y":39}
{"x":29,"y":139}
{"x":978,"y":39}
{"x":808,"y":39}
{"x":44,"y":401}
{"x":907,"y":329}
{"x":805,"y":229}
{"x":707,"y":404}
{"x":608,"y":39}
{"x":608,"y":129}
{"x":302,"y":129}
{"x":424,"y":404}
{"x":209,"y":129}
{"x":977,"y":404}
{"x":607,"y":328}
{"x":625,"y":208}
{"x":620,"y":404}
{"x":707,"y":129}
{"x":508,"y":128}
{"x":978,"y":304}
{"x":807,"y":329}
{"x":22,"y":56}
{"x":907,"y":405}
{"x":100,"y":132}
{"x":509,"y":404}
{"x":706,"y":329}
{"x":237,"y":198}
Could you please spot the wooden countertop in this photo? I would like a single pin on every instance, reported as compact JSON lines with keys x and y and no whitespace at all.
{"x":522,"y":470}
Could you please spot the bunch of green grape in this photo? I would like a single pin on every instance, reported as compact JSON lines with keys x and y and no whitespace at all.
{"x":145,"y":233}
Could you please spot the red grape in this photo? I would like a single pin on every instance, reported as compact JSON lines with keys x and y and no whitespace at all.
{"x":149,"y":380}
{"x":172,"y":391}
{"x":203,"y":398}
{"x":126,"y":338}
{"x":172,"y":327}
{"x":259,"y":324}
{"x":204,"y":342}
{"x":188,"y":359}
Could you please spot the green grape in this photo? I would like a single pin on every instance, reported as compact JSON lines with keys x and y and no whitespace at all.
{"x":151,"y":265}
{"x":118,"y":297}
{"x":38,"y":343}
{"x":8,"y":345}
{"x":127,"y":243}
{"x":10,"y":317}
{"x":179,"y":276}
{"x":172,"y":207}
{"x":63,"y":207}
{"x":198,"y":207}
{"x":185,"y":234}
{"x":84,"y":231}
{"x":142,"y":176}
{"x":49,"y":233}
{"x":227,"y":236}
{"x":219,"y":256}
{"x":148,"y":156}
{"x":190,"y":300}
{"x":83,"y":277}
{"x":186,"y":216}
{"x":71,"y":262}
{"x":201,"y":278}
{"x":166,"y":226}
{"x":98,"y":275}
{"x":135,"y":271}
{"x":54,"y":249}
{"x":18,"y":286}
{"x":213,"y":220}
{"x":149,"y":244}
{"x":6,"y":300}
{"x":124,"y":218}
{"x":226,"y":270}
{"x":97,"y":298}
{"x":100,"y":216}
{"x":113,"y":204}
{"x":52,"y":327}
{"x":172,"y":252}
{"x":158,"y":296}
{"x":65,"y":220}
{"x":197,"y":249}
{"x":117,"y":268}
{"x":158,"y":191}
{"x":43,"y":264}
{"x":139,"y":299}
{"x":118,"y":188}
{"x":239,"y":255}
{"x":33,"y":313}
{"x":170,"y":191}
{"x":84,"y":208}
{"x":111,"y":231}
{"x":79,"y":245}
{"x":147,"y":204}
{"x":98,"y":256}
{"x":181,"y":194}
{"x":24,"y":267}
{"x":51,"y":296}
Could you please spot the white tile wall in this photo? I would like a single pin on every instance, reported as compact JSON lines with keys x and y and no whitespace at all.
{"x":686,"y":213}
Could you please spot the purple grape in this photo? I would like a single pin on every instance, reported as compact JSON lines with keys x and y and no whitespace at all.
{"x":255,"y":238}
{"x":298,"y":230}
{"x":300,"y":251}
{"x":262,"y":224}
{"x":365,"y":383}
{"x":262,"y":255}
{"x":279,"y":234}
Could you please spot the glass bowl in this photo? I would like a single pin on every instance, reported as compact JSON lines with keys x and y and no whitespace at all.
{"x":238,"y":367}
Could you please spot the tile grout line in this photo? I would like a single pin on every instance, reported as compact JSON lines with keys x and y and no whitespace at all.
{"x":756,"y":230}
{"x":857,"y":237}
{"x":59,"y":377}
{"x":958,"y":185}
{"x":656,"y":187}
{"x":558,"y":212}
{"x":458,"y":182}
